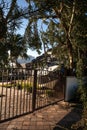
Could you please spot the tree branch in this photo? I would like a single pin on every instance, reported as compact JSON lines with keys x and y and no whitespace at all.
{"x":72,"y":17}
{"x":11,"y":9}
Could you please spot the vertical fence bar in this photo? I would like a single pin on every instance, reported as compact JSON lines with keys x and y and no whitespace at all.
{"x":31,"y":81}
{"x":26,"y":103}
{"x":6,"y":92}
{"x":21,"y":94}
{"x":10,"y":100}
{"x":14,"y":92}
{"x":1,"y":101}
{"x":17,"y":102}
{"x":34,"y":91}
{"x":27,"y":96}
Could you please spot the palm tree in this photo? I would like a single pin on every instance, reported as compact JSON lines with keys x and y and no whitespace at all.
{"x":11,"y":15}
{"x":17,"y":47}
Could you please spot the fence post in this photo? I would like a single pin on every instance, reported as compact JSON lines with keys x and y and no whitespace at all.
{"x":34,"y":90}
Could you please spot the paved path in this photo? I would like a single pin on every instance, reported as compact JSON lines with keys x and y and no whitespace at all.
{"x":53,"y":117}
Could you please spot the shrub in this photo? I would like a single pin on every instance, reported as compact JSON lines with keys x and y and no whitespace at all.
{"x":82,"y":90}
{"x":50,"y":93}
{"x":19,"y":86}
{"x":29,"y":89}
{"x":7,"y":85}
{"x":26,"y":86}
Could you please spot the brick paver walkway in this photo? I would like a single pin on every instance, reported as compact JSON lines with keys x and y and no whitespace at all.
{"x":53,"y":117}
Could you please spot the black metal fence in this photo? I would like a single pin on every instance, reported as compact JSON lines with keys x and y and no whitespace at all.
{"x":24,"y":90}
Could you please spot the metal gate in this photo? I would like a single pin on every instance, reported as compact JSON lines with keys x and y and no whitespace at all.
{"x":23,"y":91}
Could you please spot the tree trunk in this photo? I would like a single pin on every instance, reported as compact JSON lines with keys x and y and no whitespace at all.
{"x":70,"y":58}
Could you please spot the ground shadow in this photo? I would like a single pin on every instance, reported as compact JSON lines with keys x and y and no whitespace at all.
{"x":71,"y":118}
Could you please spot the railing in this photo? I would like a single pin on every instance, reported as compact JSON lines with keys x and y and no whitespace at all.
{"x":23,"y":91}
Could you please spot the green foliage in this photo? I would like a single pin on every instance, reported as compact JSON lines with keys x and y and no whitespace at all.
{"x":63,"y":27}
{"x":11,"y":16}
{"x":83,"y":93}
{"x":26,"y":86}
{"x":82,"y":90}
{"x":32,"y":37}
{"x":29,"y":89}
{"x":19,"y":85}
{"x":3,"y":55}
{"x":17,"y":46}
{"x":7,"y":85}
{"x":79,"y":68}
{"x":50,"y":93}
